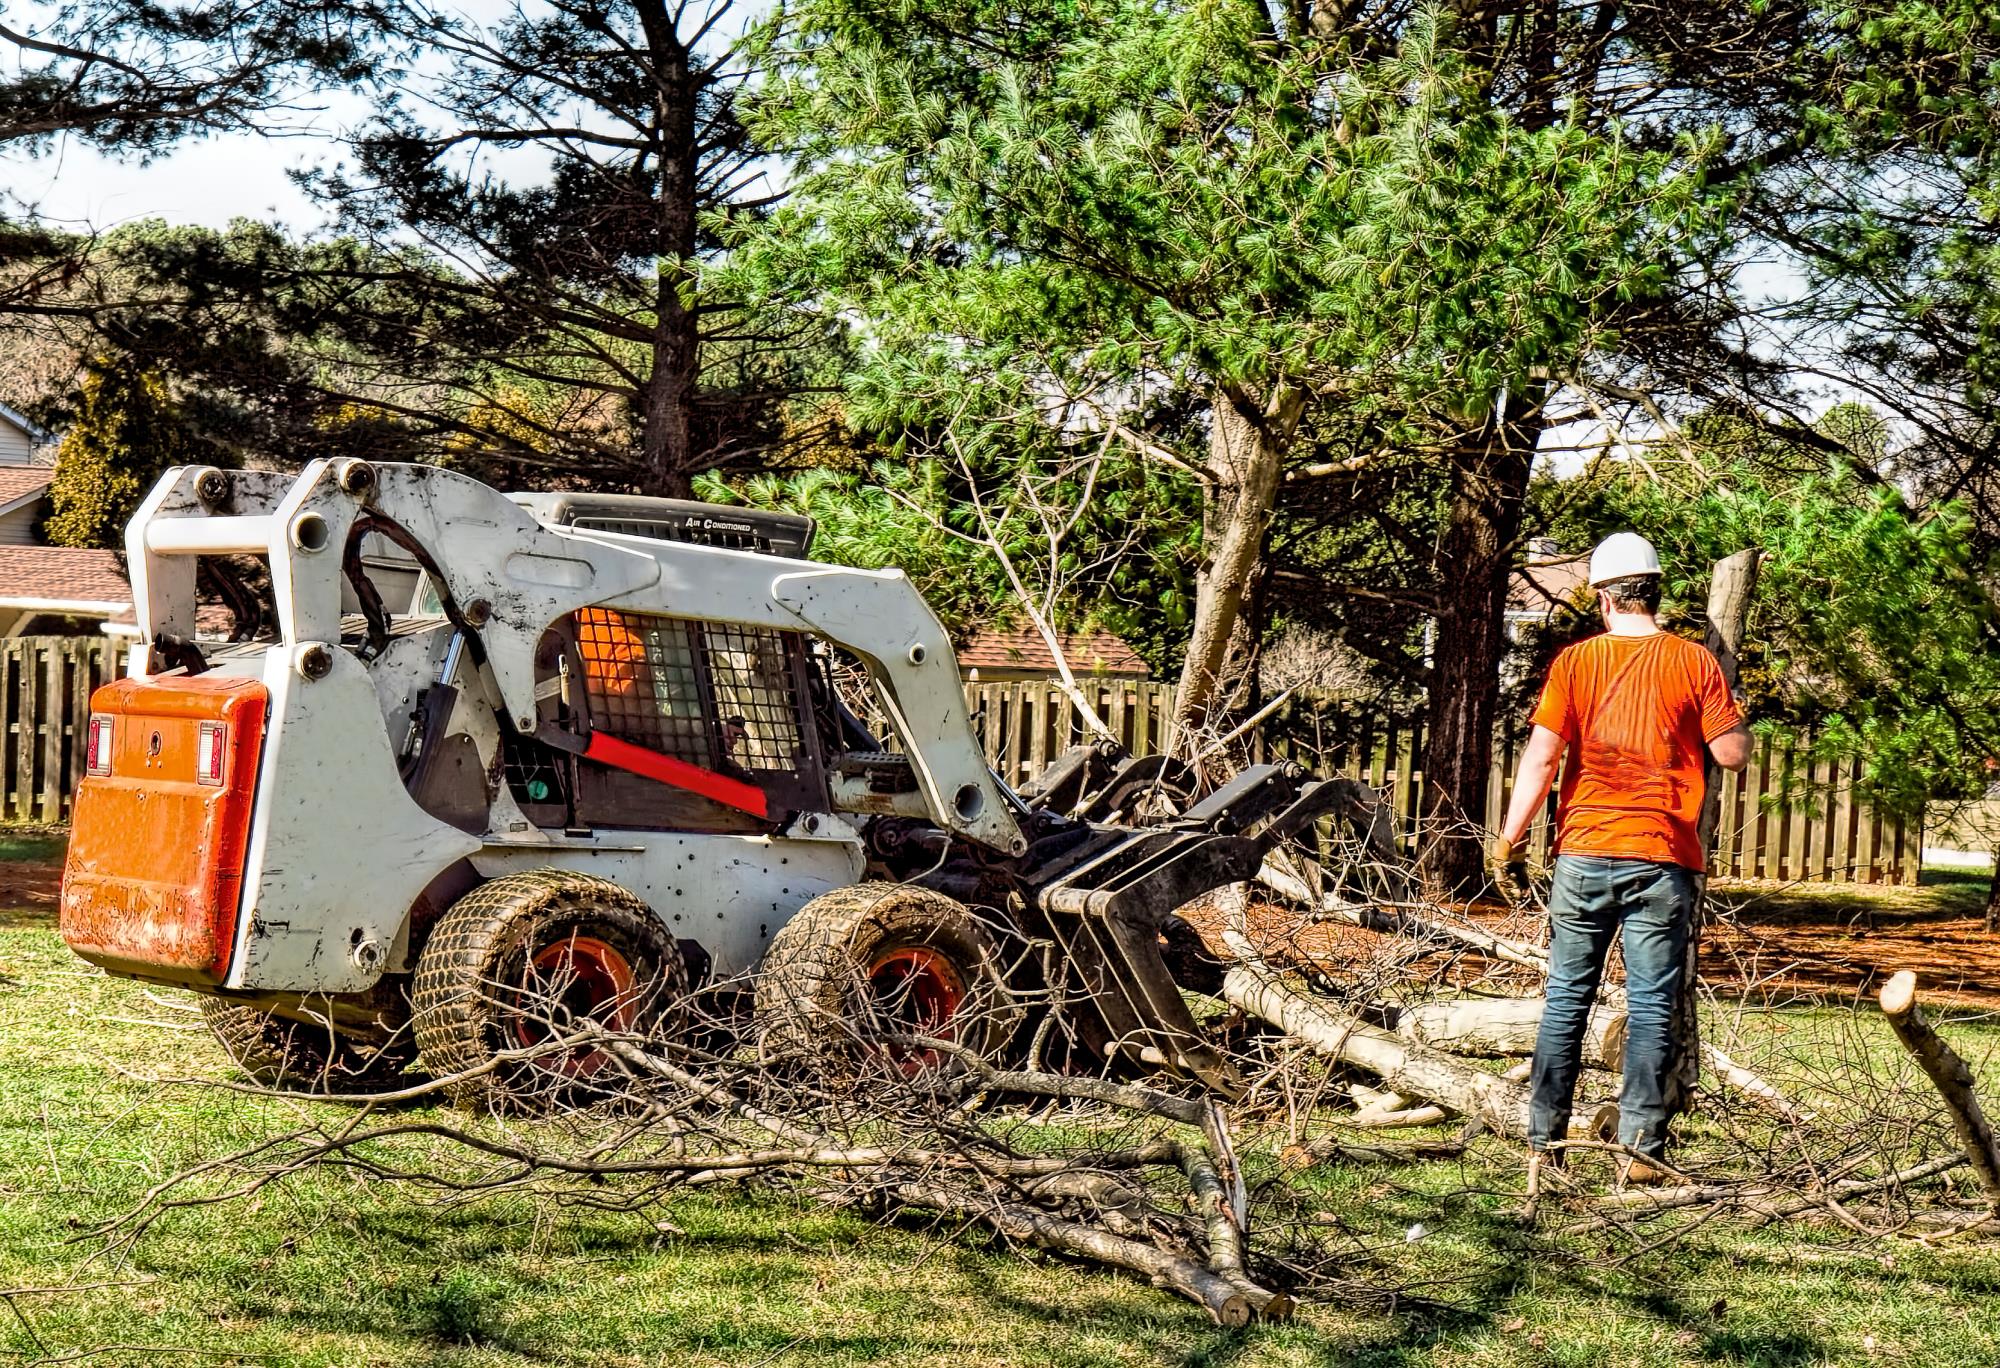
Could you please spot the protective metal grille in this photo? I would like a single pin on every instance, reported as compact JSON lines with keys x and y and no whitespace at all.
{"x":722,"y":697}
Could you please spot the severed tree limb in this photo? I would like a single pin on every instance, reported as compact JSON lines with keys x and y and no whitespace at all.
{"x":1324,"y":1149}
{"x":1225,"y":1239}
{"x":1765,"y":1199}
{"x":1405,"y":921}
{"x":1952,"y":1077}
{"x":1405,"y":1066}
{"x":1221,"y":1297}
{"x":1753,"y":1087}
{"x":1370,"y":1118}
{"x":1492,"y":1028}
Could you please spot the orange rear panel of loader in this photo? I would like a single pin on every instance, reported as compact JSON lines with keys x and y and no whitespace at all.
{"x":154,"y":876}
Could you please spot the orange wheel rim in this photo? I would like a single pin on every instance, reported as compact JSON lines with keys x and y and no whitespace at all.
{"x":568,"y":980}
{"x":920,"y":991}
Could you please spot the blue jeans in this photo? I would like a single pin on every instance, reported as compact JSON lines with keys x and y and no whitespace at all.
{"x":1593,"y":897}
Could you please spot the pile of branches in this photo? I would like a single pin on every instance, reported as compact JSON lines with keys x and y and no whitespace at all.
{"x":1191,"y":1192}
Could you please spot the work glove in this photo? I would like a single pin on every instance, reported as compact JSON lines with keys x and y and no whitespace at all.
{"x":1509,"y":866}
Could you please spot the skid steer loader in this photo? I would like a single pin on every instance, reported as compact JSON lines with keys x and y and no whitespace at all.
{"x":473,"y":746}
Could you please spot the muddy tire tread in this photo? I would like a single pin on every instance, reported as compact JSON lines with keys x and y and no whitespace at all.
{"x":809,"y":969}
{"x":451,"y":1010}
{"x":280,"y":1053}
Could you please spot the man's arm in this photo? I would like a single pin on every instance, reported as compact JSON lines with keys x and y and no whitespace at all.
{"x":1732,"y":749}
{"x":1531,"y":783}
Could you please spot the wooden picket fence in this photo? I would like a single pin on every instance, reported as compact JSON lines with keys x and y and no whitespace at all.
{"x":47,"y":683}
{"x":1785,"y":817}
{"x":1829,"y":837}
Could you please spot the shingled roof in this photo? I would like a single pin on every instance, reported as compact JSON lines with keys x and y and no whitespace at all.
{"x":1544,"y":584}
{"x":62,"y":574}
{"x":19,"y":481}
{"x":1091,"y":652}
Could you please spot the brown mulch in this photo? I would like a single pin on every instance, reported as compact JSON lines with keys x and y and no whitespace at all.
{"x":32,"y":884}
{"x":1956,"y":958}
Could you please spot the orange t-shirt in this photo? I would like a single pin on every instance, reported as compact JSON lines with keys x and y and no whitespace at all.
{"x":1638,"y":713}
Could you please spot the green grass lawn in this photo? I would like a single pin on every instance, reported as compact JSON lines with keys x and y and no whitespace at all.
{"x":336,"y":1271}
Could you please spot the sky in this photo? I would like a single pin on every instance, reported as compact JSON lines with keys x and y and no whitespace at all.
{"x":208,"y":182}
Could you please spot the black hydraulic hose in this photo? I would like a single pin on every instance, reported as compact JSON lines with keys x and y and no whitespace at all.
{"x":399,"y":535}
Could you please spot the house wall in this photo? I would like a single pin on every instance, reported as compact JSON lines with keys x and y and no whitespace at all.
{"x":18,"y":528}
{"x":16,"y":446}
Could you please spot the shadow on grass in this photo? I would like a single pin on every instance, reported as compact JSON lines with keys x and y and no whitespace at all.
{"x":31,"y":918}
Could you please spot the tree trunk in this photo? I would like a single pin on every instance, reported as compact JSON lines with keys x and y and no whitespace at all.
{"x":1410,"y":1069}
{"x":1951,"y":1077}
{"x":1246,"y":451}
{"x":1730,"y":587}
{"x":667,"y":395}
{"x":1493,"y":1028}
{"x":1993,"y":895}
{"x":1475,"y":563}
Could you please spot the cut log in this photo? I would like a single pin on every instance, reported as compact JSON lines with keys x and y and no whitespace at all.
{"x":1404,"y":921}
{"x":1408,"y":1068}
{"x":1382,"y":1118}
{"x":1494,"y":1028}
{"x":1598,"y":1123}
{"x":1951,"y":1076}
{"x":1377,"y":1099}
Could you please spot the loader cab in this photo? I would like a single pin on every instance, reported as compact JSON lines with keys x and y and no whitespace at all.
{"x":655,"y":722}
{"x":652,"y":722}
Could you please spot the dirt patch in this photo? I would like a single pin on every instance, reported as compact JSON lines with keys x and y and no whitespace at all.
{"x":31,"y":885}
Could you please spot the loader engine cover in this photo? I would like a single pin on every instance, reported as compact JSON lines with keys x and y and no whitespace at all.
{"x":154,"y":876}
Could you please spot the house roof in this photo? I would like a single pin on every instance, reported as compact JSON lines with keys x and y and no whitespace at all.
{"x":1091,"y":652}
{"x":36,"y":575}
{"x":18,"y":482}
{"x":27,"y":425}
{"x":1544,"y":584}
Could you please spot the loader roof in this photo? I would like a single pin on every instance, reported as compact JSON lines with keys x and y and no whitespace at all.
{"x":679,"y":520}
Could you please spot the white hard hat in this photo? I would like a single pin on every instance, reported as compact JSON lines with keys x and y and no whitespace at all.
{"x":1622,"y":554}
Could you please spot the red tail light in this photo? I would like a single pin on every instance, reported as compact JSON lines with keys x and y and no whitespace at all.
{"x":99,"y":759}
{"x":208,"y":754}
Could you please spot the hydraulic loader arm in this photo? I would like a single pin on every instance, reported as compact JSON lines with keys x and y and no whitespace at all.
{"x":511,"y":576}
{"x":881,"y":618}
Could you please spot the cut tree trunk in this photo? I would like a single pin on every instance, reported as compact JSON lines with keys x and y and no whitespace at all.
{"x":1730,"y":587}
{"x":1952,"y":1078}
{"x":1406,"y":1067}
{"x":1475,"y":562}
{"x":1408,"y":922}
{"x":1246,"y":452}
{"x":1496,"y":1028}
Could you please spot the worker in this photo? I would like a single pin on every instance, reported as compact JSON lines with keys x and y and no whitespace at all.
{"x":734,"y":732}
{"x":1634,"y":708}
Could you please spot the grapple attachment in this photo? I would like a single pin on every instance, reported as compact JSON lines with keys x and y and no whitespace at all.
{"x":1108,"y":899}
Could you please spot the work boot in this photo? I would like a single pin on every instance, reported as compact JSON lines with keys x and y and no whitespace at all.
{"x":1636,"y":1173}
